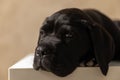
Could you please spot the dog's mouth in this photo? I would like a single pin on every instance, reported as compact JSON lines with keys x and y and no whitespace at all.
{"x":44,"y":63}
{"x":50,"y":65}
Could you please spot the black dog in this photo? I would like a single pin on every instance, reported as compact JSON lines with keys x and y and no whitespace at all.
{"x":73,"y":36}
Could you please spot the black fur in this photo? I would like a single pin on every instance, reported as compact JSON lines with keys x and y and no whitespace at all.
{"x":72,"y":36}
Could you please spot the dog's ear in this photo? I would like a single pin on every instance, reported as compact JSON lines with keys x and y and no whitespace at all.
{"x":103,"y":46}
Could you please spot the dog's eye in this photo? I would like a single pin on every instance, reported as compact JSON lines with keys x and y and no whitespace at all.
{"x":68,"y":35}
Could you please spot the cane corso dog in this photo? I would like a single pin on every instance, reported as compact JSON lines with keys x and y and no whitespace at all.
{"x":71,"y":37}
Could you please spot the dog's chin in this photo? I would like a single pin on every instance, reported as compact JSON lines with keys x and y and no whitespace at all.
{"x":62,"y":71}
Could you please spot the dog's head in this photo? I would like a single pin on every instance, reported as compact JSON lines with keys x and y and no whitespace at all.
{"x":65,"y":38}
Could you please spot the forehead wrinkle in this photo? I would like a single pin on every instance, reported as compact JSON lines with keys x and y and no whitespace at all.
{"x":62,"y":19}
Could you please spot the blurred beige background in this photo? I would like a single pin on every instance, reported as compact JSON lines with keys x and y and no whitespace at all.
{"x":20,"y":21}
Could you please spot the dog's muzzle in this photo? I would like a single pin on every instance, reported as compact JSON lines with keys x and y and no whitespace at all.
{"x":45,"y":53}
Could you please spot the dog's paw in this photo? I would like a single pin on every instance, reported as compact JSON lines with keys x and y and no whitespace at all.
{"x":90,"y":63}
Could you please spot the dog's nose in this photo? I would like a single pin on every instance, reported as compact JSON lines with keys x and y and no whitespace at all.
{"x":44,"y":51}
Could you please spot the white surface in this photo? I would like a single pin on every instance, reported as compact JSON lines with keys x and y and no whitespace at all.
{"x":26,"y":62}
{"x":23,"y":70}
